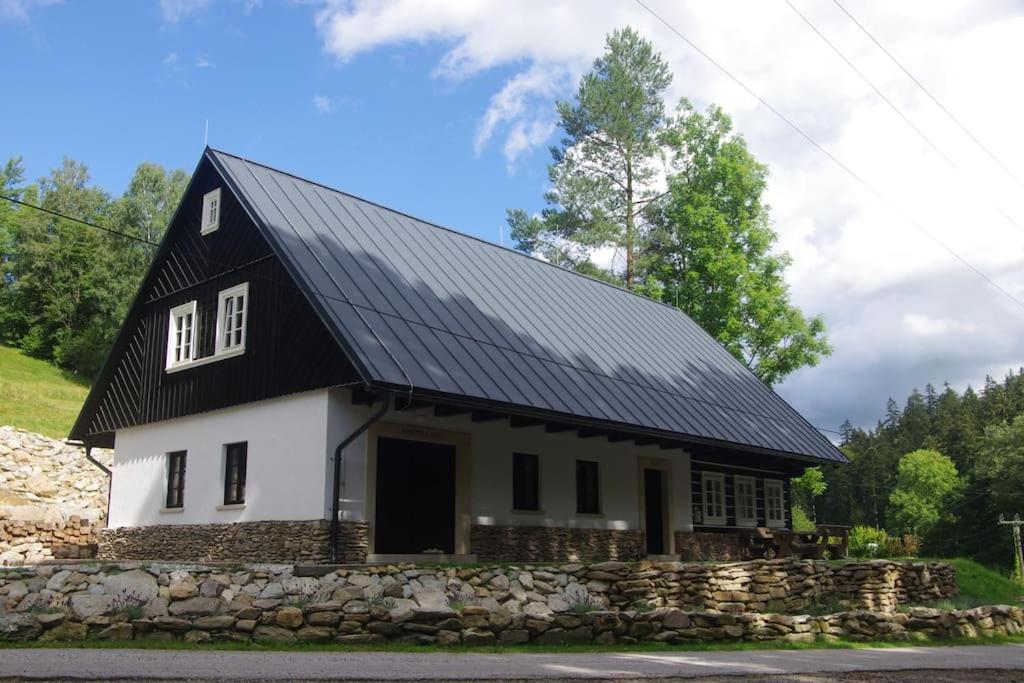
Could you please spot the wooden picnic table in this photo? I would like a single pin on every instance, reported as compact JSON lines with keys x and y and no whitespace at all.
{"x":768,"y":542}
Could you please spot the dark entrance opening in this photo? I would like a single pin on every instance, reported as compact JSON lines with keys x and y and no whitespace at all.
{"x":654,"y":512}
{"x":415,"y":497}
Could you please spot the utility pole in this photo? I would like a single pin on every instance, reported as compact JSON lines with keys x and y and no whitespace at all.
{"x":1016,"y":524}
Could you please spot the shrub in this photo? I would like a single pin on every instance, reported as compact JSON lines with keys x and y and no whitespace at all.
{"x":907,"y":545}
{"x":801,"y":520}
{"x":868,"y":541}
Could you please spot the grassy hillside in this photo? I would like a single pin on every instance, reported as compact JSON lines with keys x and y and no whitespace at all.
{"x":983,"y":586}
{"x":36,"y":396}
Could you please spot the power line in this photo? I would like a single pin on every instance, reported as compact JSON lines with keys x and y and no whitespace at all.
{"x":927,"y":92}
{"x":80,"y":221}
{"x":899,"y":112}
{"x":767,"y":105}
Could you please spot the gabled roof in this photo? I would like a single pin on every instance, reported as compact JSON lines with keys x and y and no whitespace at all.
{"x":438,"y":313}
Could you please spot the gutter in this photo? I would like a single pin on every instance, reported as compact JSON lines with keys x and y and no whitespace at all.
{"x":101,"y":466}
{"x":335,"y":497}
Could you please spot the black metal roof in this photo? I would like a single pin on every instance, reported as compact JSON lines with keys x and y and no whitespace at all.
{"x":439,"y":313}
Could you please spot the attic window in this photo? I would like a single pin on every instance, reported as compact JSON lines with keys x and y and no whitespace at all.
{"x":181,"y":335}
{"x":211,"y":212}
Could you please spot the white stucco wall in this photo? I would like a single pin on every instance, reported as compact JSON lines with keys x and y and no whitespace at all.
{"x":492,"y":445}
{"x":286,"y":464}
{"x":290,"y":466}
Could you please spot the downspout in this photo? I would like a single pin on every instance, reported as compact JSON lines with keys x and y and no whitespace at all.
{"x":101,"y":466}
{"x":335,"y":498}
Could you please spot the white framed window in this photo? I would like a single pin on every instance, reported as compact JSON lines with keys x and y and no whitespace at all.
{"x":181,"y":335}
{"x":774,"y":505}
{"x":746,"y":501}
{"x":211,"y":212}
{"x":232,"y":314}
{"x":713,"y":485}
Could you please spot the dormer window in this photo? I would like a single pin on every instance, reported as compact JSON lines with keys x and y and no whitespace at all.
{"x":181,"y":335}
{"x":211,"y":212}
{"x":231,"y":319}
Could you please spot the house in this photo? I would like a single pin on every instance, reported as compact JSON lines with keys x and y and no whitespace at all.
{"x":309,"y":376}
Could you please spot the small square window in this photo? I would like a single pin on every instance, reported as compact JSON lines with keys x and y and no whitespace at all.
{"x":181,"y":335}
{"x":175,"y":480}
{"x":525,"y":481}
{"x":588,"y":498}
{"x":235,"y":456}
{"x":231,"y":319}
{"x":211,"y":212}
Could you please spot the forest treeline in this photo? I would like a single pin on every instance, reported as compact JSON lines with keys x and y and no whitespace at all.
{"x":67,"y":287}
{"x":980,"y":431}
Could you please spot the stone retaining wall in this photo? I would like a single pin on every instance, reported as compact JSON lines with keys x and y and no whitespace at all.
{"x":712,"y":546}
{"x":605,"y":603}
{"x":268,"y":541}
{"x":554,"y":544}
{"x":39,"y":472}
{"x":35,"y":541}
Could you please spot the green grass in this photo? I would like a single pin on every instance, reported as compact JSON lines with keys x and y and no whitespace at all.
{"x":984,"y":586}
{"x":36,"y":396}
{"x":651,"y":647}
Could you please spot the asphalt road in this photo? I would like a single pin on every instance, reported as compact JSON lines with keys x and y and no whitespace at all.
{"x":98,"y":664}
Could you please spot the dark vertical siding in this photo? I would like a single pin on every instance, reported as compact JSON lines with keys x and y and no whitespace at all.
{"x":698,"y":468}
{"x":287,"y":347}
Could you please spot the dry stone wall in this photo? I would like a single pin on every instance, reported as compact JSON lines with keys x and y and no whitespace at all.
{"x":42,"y":473}
{"x":606,"y":602}
{"x":555,"y":544}
{"x":52,"y":499}
{"x":266,"y":541}
{"x":23,"y":541}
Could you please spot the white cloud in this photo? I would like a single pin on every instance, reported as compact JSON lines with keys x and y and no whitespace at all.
{"x":174,"y":11}
{"x":901,"y":310}
{"x":922,"y":325}
{"x":20,"y":9}
{"x":323,"y":104}
{"x":203,"y":63}
{"x":171,"y":59}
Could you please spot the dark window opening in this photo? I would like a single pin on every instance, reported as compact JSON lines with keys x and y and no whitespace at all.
{"x":587,"y":498}
{"x":525,"y":481}
{"x":176,"y":479}
{"x":234,"y":473}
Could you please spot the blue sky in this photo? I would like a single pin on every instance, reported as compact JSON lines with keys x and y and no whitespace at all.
{"x":113,"y":84}
{"x":444,"y":109}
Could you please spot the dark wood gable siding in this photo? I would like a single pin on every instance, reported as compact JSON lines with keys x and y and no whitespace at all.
{"x":709,"y":459}
{"x":287,"y":348}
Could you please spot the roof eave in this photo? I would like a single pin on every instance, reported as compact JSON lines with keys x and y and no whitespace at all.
{"x":576,"y":420}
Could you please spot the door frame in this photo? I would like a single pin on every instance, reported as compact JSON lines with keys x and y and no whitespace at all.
{"x":667,"y":504}
{"x":462,"y":443}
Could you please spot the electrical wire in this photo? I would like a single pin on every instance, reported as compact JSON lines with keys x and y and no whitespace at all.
{"x":80,"y":221}
{"x":838,"y":162}
{"x":931,"y":96}
{"x":899,"y":112}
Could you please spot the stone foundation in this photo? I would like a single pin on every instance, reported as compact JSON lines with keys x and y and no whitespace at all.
{"x":302,"y":542}
{"x":712,"y":546}
{"x":554,"y":544}
{"x":608,"y":602}
{"x":30,"y":541}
